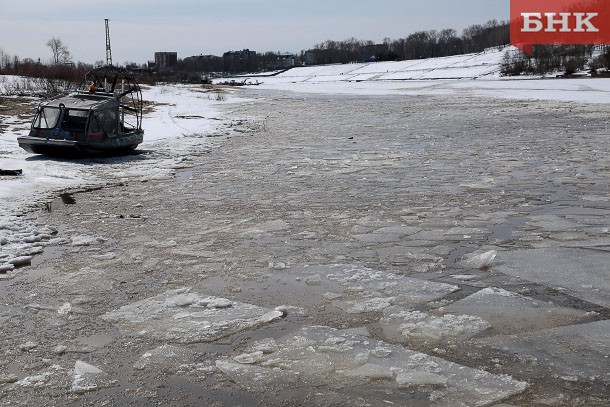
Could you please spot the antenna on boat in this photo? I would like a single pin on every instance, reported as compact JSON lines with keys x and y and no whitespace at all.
{"x":108,"y":51}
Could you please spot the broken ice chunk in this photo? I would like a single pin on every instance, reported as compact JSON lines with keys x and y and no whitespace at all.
{"x":182,"y":316}
{"x":362,"y":306}
{"x":66,"y":308}
{"x":88,"y":377}
{"x":249,"y":358}
{"x":165,"y":357}
{"x":20,"y":261}
{"x":480,"y":260}
{"x":402,"y":325}
{"x":354,"y":364}
{"x":357,"y":289}
{"x":512,"y":313}
{"x":87,"y":240}
{"x":4,"y":268}
{"x":420,"y":379}
{"x":370,"y":371}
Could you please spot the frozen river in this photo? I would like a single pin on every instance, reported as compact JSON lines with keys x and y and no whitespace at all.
{"x":336,"y":250}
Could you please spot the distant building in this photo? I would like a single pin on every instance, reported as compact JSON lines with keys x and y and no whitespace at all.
{"x":310,"y":57}
{"x":240,"y":61}
{"x":203,"y":63}
{"x":286,"y":61}
{"x":165,"y":61}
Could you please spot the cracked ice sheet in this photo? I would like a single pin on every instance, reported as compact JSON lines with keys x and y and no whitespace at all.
{"x":403,"y":326}
{"x":583,"y":272}
{"x":573,"y":351}
{"x":510,"y":313}
{"x":182,"y":316}
{"x":325,"y":357}
{"x":356,"y":289}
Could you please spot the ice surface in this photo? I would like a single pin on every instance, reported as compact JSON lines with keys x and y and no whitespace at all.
{"x":165,"y":357}
{"x":552,"y":223}
{"x":404,"y":326}
{"x":183,"y":116}
{"x":182,"y":316}
{"x":583,"y":272}
{"x":319,"y":355}
{"x":508,"y":312}
{"x":356,"y":289}
{"x":588,"y":357}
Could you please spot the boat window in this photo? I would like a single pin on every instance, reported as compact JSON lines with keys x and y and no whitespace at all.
{"x":46,"y":118}
{"x":74,"y":120}
{"x":108,"y":120}
{"x":94,"y":125}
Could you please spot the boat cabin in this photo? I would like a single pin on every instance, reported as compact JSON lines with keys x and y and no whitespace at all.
{"x":92,"y":120}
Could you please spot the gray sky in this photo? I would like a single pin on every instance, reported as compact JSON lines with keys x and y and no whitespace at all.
{"x":138,"y":28}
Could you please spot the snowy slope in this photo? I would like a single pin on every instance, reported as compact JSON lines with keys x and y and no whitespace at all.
{"x":470,"y":66}
{"x":475,"y":74}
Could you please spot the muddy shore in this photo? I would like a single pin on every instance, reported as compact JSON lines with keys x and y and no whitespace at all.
{"x":197,"y":289}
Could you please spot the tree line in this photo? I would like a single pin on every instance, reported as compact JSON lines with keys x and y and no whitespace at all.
{"x":419,"y":45}
{"x":567,"y":59}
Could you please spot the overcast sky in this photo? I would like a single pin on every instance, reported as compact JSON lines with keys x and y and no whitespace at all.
{"x":138,"y":28}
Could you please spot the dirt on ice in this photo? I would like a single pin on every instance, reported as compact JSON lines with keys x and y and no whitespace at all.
{"x":367,"y":251}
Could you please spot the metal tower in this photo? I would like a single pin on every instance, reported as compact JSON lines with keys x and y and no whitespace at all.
{"x":108,"y":51}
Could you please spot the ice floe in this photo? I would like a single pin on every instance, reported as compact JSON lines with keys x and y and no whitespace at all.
{"x":583,"y":272}
{"x":405,"y":326}
{"x":480,"y":260}
{"x":165,"y":357}
{"x":183,"y":316}
{"x":87,"y":378}
{"x":357,"y":289}
{"x":510,"y":312}
{"x":588,"y":357}
{"x":321,"y":357}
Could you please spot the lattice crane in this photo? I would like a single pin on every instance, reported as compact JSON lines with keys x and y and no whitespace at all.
{"x":108,"y":51}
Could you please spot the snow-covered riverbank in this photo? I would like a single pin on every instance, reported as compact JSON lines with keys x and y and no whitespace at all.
{"x":183,"y":123}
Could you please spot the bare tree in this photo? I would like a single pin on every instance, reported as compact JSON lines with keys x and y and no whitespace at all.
{"x":5,"y":60}
{"x":61,"y":55}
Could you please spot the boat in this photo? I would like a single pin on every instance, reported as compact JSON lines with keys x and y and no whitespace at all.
{"x":103,"y":116}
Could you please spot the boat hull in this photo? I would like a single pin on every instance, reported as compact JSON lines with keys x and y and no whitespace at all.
{"x":49,"y":146}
